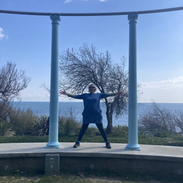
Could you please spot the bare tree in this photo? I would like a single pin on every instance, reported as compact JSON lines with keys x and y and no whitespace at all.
{"x":179,"y":121}
{"x":12,"y":82}
{"x":157,"y":121}
{"x":80,"y":68}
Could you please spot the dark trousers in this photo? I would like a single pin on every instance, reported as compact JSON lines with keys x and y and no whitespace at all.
{"x":99,"y":126}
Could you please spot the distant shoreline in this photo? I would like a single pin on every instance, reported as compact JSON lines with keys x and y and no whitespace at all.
{"x":82,"y":101}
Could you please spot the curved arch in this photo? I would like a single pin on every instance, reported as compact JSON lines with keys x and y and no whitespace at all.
{"x":93,"y":14}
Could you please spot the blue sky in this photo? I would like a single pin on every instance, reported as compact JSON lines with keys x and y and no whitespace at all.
{"x":26,"y":40}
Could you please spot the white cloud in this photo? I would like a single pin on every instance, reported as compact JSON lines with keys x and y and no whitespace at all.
{"x":166,"y":84}
{"x":1,"y":33}
{"x":163,"y":91}
{"x":67,"y":1}
{"x":34,"y":95}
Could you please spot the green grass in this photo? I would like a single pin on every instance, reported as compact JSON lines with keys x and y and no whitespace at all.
{"x":119,"y":135}
{"x":24,"y":138}
{"x":142,"y":139}
{"x":86,"y":177}
{"x":60,"y":179}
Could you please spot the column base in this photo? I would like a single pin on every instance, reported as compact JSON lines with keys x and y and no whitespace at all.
{"x":53,"y":145}
{"x":134,"y":147}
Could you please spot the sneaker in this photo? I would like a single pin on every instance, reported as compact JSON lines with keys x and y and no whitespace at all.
{"x":108,"y":146}
{"x":77,"y":144}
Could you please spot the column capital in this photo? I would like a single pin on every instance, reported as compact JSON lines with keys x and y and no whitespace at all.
{"x":55,"y":18}
{"x":132,"y":17}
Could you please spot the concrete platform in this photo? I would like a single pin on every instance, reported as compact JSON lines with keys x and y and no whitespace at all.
{"x":151,"y":160}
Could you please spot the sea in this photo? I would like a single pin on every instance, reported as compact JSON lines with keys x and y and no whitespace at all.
{"x":76,"y":108}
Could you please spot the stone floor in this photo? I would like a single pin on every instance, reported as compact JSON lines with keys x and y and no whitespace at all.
{"x":90,"y":150}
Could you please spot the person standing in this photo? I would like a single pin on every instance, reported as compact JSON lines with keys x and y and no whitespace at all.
{"x":92,"y":112}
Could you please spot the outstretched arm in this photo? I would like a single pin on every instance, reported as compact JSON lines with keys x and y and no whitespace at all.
{"x":65,"y":93}
{"x":114,"y":94}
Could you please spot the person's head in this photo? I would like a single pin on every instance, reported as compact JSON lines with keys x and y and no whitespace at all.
{"x":92,"y":88}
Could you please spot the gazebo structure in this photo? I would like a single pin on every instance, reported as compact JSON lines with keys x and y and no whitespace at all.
{"x":132,"y":104}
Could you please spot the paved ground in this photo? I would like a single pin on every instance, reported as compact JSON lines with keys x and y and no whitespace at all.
{"x":90,"y":149}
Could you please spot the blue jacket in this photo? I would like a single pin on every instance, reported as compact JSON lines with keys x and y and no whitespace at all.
{"x":92,"y":112}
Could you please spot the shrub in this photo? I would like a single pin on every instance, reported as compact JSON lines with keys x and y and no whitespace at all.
{"x":68,"y":126}
{"x":120,"y":131}
{"x":92,"y":131}
{"x":23,"y":121}
{"x":157,"y":122}
{"x":5,"y":128}
{"x":39,"y":127}
{"x":179,"y":121}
